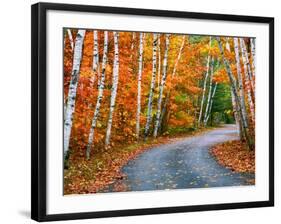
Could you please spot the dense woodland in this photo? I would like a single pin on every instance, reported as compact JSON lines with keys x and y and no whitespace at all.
{"x":122,"y":88}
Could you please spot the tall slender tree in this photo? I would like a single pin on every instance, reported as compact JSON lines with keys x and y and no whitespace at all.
{"x":152,"y":86}
{"x":162,"y":85}
{"x":211,"y":103}
{"x":96,"y":67}
{"x":159,"y":60}
{"x":167,"y":98}
{"x":139,"y":86}
{"x":253,"y":54}
{"x":114,"y":87}
{"x":204,"y":85}
{"x":246,"y":61}
{"x":236,"y":115}
{"x":240,"y":81}
{"x":70,"y":38}
{"x":209,"y":93}
{"x":99,"y":98}
{"x":236,"y":94}
{"x":70,"y":106}
{"x":249,"y":82}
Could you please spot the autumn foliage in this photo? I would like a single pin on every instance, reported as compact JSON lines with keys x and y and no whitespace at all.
{"x":235,"y":156}
{"x":182,"y":96}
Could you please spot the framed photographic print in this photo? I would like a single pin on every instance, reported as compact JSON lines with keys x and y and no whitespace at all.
{"x":139,"y":111}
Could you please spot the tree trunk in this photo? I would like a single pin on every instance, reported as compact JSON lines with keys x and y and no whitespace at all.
{"x":240,"y":81}
{"x":96,"y":67}
{"x":139,"y":86}
{"x":210,"y":92}
{"x":246,"y":61}
{"x":114,"y":87}
{"x":167,"y":98}
{"x":237,"y":97}
{"x":236,"y":115}
{"x":162,"y":85}
{"x":70,"y":38}
{"x":159,"y":61}
{"x":204,"y":85}
{"x":211,"y":103}
{"x":132,"y":44}
{"x":248,"y":74}
{"x":227,"y":46}
{"x":253,"y":53}
{"x":152,"y":86}
{"x":70,"y":107}
{"x":99,"y":98}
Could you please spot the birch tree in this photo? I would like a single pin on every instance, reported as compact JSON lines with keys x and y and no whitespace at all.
{"x":99,"y":98}
{"x":159,"y":60}
{"x":178,"y":57}
{"x":236,"y":95}
{"x":114,"y":87}
{"x":132,"y":45}
{"x":162,"y":85}
{"x":211,"y":102}
{"x":253,"y":53}
{"x":133,"y":39}
{"x":227,"y":45}
{"x":204,"y":85}
{"x":167,"y":98}
{"x":233,"y":100}
{"x":248,"y":81}
{"x":240,"y":80}
{"x":70,"y":107}
{"x":236,"y":115}
{"x":210,"y":92}
{"x":139,"y":86}
{"x":96,"y":67}
{"x":152,"y":86}
{"x":70,"y":38}
{"x":246,"y":62}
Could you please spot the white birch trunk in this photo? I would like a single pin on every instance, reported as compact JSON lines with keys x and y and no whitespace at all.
{"x":133,"y":39}
{"x":139,"y":86}
{"x":159,"y":60}
{"x":70,"y":107}
{"x":227,"y":46}
{"x":143,"y":47}
{"x":152,"y":86}
{"x":132,"y":45}
{"x":247,"y":71}
{"x":253,"y":52}
{"x":210,"y":92}
{"x":178,"y":57}
{"x":70,"y":38}
{"x":99,"y":98}
{"x":211,"y":103}
{"x":162,"y":85}
{"x":236,"y":115}
{"x":245,"y":58}
{"x":204,"y":85}
{"x":96,"y":67}
{"x":237,"y":97}
{"x":240,"y":80}
{"x":173,"y":75}
{"x":114,"y":87}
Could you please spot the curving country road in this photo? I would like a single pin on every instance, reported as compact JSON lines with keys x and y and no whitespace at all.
{"x":185,"y":163}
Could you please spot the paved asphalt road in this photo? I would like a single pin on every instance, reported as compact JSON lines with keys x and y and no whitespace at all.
{"x":185,"y":163}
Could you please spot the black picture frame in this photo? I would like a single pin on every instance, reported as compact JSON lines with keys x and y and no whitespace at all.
{"x":39,"y":108}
